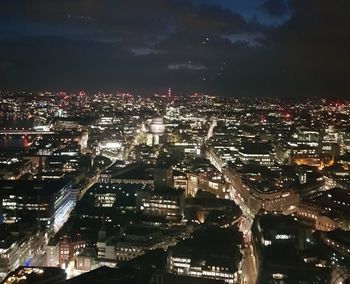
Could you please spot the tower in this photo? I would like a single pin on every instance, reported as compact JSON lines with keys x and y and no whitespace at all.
{"x":169,"y":93}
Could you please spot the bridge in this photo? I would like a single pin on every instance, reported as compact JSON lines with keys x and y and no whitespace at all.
{"x":24,"y":132}
{"x":41,"y":126}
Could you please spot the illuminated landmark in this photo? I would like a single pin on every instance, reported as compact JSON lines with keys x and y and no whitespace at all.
{"x":157,"y":129}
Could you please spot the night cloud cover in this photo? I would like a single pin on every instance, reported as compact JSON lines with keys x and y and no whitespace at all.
{"x":228,"y":47}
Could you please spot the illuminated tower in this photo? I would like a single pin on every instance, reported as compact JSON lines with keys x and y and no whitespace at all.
{"x":169,"y":93}
{"x":169,"y":96}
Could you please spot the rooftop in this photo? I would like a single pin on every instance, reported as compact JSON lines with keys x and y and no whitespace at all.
{"x":23,"y":186}
{"x":36,"y":275}
{"x":134,"y":171}
{"x":256,"y":148}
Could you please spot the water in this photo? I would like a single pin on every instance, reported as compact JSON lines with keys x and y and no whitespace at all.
{"x":14,"y":143}
{"x":14,"y":123}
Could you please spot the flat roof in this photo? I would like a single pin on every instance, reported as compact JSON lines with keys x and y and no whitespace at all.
{"x":135,"y":171}
{"x":24,"y":186}
{"x":255,"y":148}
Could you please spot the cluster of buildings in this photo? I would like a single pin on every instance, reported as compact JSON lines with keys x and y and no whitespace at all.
{"x":165,"y":188}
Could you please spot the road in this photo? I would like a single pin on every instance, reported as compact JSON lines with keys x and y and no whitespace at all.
{"x":94,"y":179}
{"x":89,"y":184}
{"x":140,"y":137}
{"x":213,"y":124}
{"x":249,"y":270}
{"x":248,"y":266}
{"x":39,"y":260}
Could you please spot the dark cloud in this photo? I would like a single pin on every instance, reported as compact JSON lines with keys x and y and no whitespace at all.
{"x":213,"y":19}
{"x":275,"y":7}
{"x":188,"y":66}
{"x":311,"y":48}
{"x":148,"y":46}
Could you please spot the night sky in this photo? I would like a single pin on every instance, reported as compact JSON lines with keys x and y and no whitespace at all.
{"x":222,"y":47}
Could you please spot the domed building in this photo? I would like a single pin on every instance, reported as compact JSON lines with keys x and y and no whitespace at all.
{"x":157,"y":129}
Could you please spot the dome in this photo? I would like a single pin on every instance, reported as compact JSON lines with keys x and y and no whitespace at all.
{"x":157,"y":126}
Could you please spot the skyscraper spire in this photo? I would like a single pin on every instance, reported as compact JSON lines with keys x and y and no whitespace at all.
{"x":169,"y":93}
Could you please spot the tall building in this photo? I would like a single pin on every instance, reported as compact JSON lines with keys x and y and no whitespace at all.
{"x":259,"y":153}
{"x":283,"y":252}
{"x":213,"y":253}
{"x":167,"y":203}
{"x":19,"y":244}
{"x":49,"y":202}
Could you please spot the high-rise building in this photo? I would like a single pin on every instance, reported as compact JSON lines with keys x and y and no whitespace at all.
{"x":49,"y":202}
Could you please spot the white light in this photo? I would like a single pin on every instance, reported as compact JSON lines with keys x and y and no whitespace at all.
{"x":110,"y":145}
{"x":282,"y":237}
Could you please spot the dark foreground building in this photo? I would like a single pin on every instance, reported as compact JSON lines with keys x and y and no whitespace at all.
{"x":49,"y":202}
{"x":36,"y":275}
{"x":212,"y":253}
{"x":280,"y":245}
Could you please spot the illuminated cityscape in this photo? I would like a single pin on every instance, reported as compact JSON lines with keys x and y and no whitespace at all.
{"x":214,"y":187}
{"x":166,"y":142}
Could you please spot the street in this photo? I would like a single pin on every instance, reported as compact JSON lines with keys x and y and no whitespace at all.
{"x":248,"y":267}
{"x":249,"y":270}
{"x":39,"y":260}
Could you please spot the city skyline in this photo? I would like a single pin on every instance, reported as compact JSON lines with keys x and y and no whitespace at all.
{"x":202,"y":189}
{"x":174,"y":142}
